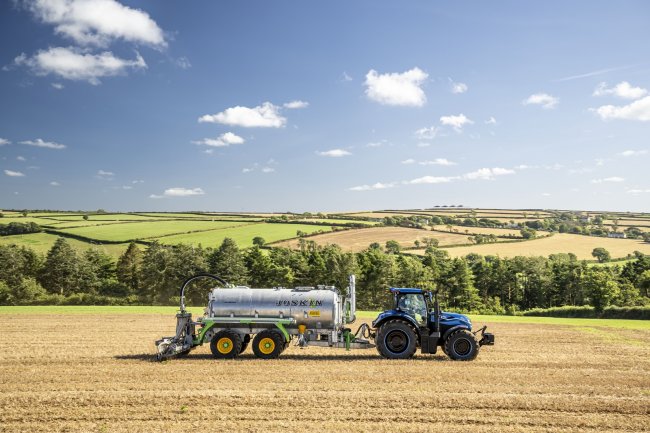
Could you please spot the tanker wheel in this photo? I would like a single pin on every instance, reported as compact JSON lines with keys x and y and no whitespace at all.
{"x":244,"y":343}
{"x":396,"y":339}
{"x":225,"y":344}
{"x":461,"y":346}
{"x":268,"y":344}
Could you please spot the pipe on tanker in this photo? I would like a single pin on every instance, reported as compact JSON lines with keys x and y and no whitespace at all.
{"x":352,"y":293}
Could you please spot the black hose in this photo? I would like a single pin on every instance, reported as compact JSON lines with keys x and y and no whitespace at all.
{"x":195,"y":277}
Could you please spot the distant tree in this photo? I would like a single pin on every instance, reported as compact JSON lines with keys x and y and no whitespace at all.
{"x":24,"y":213}
{"x":528,"y":233}
{"x":85,"y":217}
{"x":646,"y":237}
{"x":228,"y":263}
{"x":601,"y":287}
{"x":60,"y":270}
{"x":300,"y":233}
{"x":259,"y":241}
{"x":128,"y":267}
{"x":393,"y":247}
{"x":375,"y":246}
{"x":431,"y":242}
{"x":601,"y":254}
{"x":416,"y":243}
{"x":449,"y":227}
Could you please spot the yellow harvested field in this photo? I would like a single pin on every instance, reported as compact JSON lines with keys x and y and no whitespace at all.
{"x":581,"y":246}
{"x":575,"y":379}
{"x":480,"y":230}
{"x":638,"y":222}
{"x":359,"y":239}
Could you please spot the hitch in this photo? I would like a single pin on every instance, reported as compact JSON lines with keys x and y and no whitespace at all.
{"x":487,"y":339}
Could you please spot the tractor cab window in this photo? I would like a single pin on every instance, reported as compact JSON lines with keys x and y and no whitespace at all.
{"x":413,"y":304}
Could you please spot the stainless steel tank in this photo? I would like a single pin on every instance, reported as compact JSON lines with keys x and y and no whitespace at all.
{"x":314,"y":308}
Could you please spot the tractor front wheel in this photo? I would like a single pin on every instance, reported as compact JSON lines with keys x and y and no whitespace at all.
{"x":396,"y":339}
{"x":461,"y":346}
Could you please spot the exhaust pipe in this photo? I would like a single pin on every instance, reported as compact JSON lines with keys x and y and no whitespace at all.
{"x":352,"y":296}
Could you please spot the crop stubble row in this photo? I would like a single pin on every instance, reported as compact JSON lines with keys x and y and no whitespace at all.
{"x":95,"y":373}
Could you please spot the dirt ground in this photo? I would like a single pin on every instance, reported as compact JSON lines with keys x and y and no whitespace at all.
{"x":95,"y":373}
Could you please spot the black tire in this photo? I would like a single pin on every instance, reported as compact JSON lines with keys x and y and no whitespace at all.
{"x":461,"y":346}
{"x":268,"y":344}
{"x":225,"y":344}
{"x":244,"y":343}
{"x":396,"y":339}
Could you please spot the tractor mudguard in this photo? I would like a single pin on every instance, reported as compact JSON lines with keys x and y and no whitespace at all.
{"x":395,"y":314}
{"x":449,"y":331}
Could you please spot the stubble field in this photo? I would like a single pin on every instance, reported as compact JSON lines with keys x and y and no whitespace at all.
{"x":80,"y":372}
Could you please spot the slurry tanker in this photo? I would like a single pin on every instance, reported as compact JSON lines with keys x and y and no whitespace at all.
{"x":270,"y":319}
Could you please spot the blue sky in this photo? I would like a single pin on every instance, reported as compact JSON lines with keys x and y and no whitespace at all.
{"x":329,"y":106}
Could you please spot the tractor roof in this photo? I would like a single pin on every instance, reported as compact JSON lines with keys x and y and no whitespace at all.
{"x":405,"y":290}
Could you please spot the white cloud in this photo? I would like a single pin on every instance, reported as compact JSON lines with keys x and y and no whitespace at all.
{"x":97,"y":22}
{"x":402,"y":89}
{"x":55,"y":183}
{"x":224,"y":140}
{"x":622,"y":90}
{"x":544,"y":99}
{"x":266,"y":115}
{"x":431,"y":179}
{"x":127,"y":187}
{"x":523,"y":167}
{"x":334,"y":153}
{"x":105,"y":175}
{"x":21,"y":158}
{"x":637,"y":110}
{"x":12,"y":173}
{"x":458,"y":87}
{"x":633,"y":152}
{"x":183,"y":192}
{"x":374,"y":186}
{"x":345,"y":77}
{"x":74,"y":64}
{"x":58,"y":86}
{"x":45,"y":144}
{"x":609,"y":179}
{"x":268,"y":170}
{"x":4,"y":141}
{"x":456,"y":122}
{"x":426,"y":133}
{"x":295,"y":105}
{"x":375,"y":143}
{"x":487,"y":173}
{"x":423,"y":144}
{"x":436,"y":161}
{"x":183,"y":63}
{"x":638,"y":191}
{"x":491,"y":121}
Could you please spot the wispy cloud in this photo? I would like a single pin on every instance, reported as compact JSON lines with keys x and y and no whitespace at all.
{"x":491,"y":121}
{"x":544,"y":99}
{"x":104,"y":175}
{"x":293,"y":105}
{"x":592,"y":73}
{"x":458,"y":88}
{"x":456,"y":122}
{"x":224,"y":140}
{"x":345,"y":76}
{"x":266,"y":115}
{"x":4,"y":141}
{"x":334,"y":153}
{"x":627,"y":153}
{"x":45,"y":144}
{"x":55,"y":183}
{"x":401,"y":89}
{"x":179,"y":192}
{"x":426,"y":133}
{"x":58,"y":86}
{"x":436,"y":161}
{"x":12,"y":173}
{"x":614,"y":179}
{"x":374,"y":186}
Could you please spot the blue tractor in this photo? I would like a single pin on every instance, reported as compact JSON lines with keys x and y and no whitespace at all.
{"x":416,"y":321}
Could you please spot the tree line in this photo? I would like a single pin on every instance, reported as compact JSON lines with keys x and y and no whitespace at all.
{"x":475,"y":283}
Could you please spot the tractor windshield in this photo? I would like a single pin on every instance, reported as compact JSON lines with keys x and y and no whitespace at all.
{"x":414,"y":304}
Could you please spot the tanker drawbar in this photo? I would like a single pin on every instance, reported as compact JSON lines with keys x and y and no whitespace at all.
{"x":270,"y":319}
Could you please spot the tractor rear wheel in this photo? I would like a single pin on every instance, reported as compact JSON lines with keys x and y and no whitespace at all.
{"x":396,"y":339}
{"x":225,"y":344}
{"x":461,"y":346}
{"x":268,"y":344}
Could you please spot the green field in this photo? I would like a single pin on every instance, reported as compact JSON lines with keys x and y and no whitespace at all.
{"x":198,"y":311}
{"x":148,"y":229}
{"x":243,"y":234}
{"x":42,"y":242}
{"x":103,"y":217}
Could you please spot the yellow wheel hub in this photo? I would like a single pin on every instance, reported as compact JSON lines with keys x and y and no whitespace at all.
{"x":267,"y":345}
{"x":225,"y":345}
